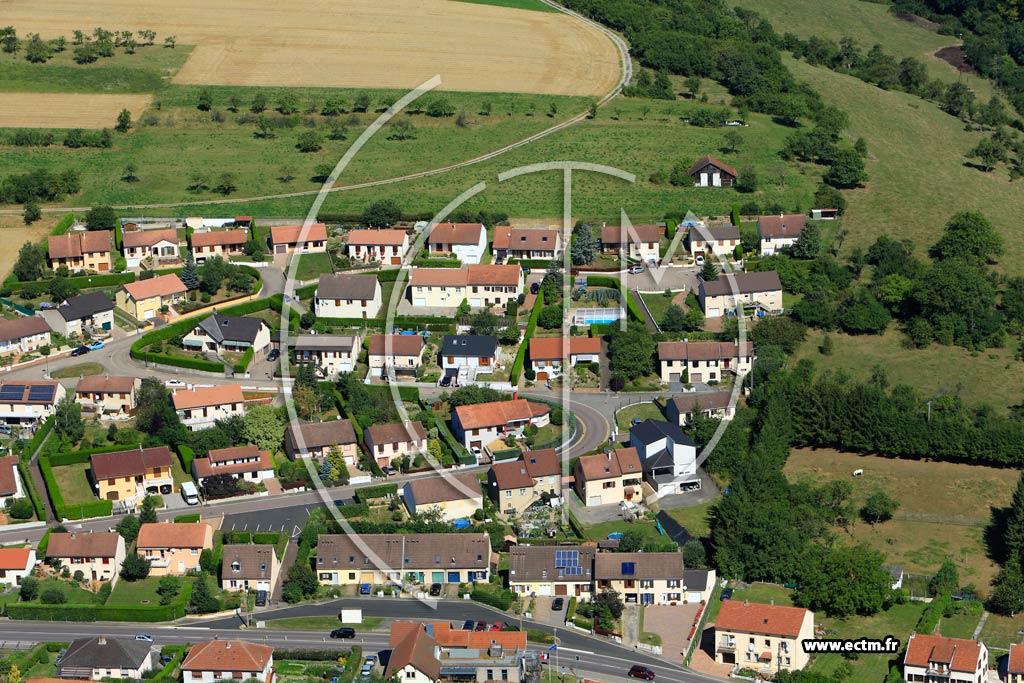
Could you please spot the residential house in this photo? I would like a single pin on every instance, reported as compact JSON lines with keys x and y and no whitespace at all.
{"x":347,"y":296}
{"x":668,"y":455}
{"x":761,"y":291}
{"x":99,"y":657}
{"x":424,"y":558}
{"x":698,"y":585}
{"x":16,"y":564}
{"x":609,"y":478}
{"x":437,"y":653}
{"x":476,"y":426}
{"x":704,"y":361}
{"x":766,"y":638}
{"x":717,"y":240}
{"x":89,"y":250}
{"x":526,"y":243}
{"x":547,"y":354}
{"x":98,"y":555}
{"x":517,"y":484}
{"x":29,"y":403}
{"x":23,"y":335}
{"x":285,"y":239}
{"x":415,"y":656}
{"x":952,"y":660}
{"x":456,"y":496}
{"x":316,"y":439}
{"x":641,"y":578}
{"x":710,"y":172}
{"x":245,"y":463}
{"x":637,"y":242}
{"x":479,"y":286}
{"x":10,"y":480}
{"x":107,"y":396}
{"x":330,"y":354}
{"x":130,"y":475}
{"x":228,"y":333}
{"x":144,"y":299}
{"x":200,"y":407}
{"x":249,"y":567}
{"x":150,"y":248}
{"x":463,"y":356}
{"x":390,"y":442}
{"x":403,"y":352}
{"x":227,"y":660}
{"x":173,"y":548}
{"x":711,"y":404}
{"x":464,"y":241}
{"x":223,"y":243}
{"x":384,"y":246}
{"x":779,"y":232}
{"x":552,"y":570}
{"x":83,"y":313}
{"x":1015,"y":664}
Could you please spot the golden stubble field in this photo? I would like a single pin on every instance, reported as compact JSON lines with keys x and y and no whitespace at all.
{"x":67,"y":110}
{"x":353,"y":43}
{"x":14,"y":233}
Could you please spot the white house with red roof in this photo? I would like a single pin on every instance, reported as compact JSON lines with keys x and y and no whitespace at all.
{"x":1015,"y":664}
{"x":547,"y":354}
{"x":10,"y":480}
{"x":779,"y":232}
{"x":766,"y":638}
{"x":383,"y":246}
{"x":298,"y":239}
{"x":480,"y":424}
{"x":465,"y":241}
{"x":952,"y":660}
{"x":225,"y":660}
{"x":16,"y":564}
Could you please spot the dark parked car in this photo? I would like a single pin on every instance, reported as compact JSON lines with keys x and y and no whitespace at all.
{"x":558,"y":604}
{"x":435,"y":589}
{"x":80,"y":351}
{"x":467,"y":625}
{"x":637,"y":671}
{"x":481,"y":626}
{"x":165,"y":489}
{"x":727,"y":594}
{"x":343,"y":632}
{"x":534,"y":288}
{"x":261,"y":598}
{"x":446,"y":381}
{"x":273,"y":355}
{"x":497,"y":626}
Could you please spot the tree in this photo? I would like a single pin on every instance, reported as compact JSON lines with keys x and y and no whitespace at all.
{"x":440,"y":107}
{"x":610,"y":599}
{"x":208,"y":562}
{"x":878,"y":507}
{"x":694,"y":555}
{"x":692,"y":85}
{"x":946,"y":580}
{"x":472,"y":395}
{"x":847,"y":169}
{"x":29,"y":589}
{"x":129,"y":173}
{"x":204,"y":102}
{"x":632,"y":541}
{"x":201,"y":601}
{"x":709,"y":271}
{"x":1013,"y":536}
{"x":124,"y":121}
{"x":864,"y":314}
{"x":190,"y":273}
{"x":309,"y":141}
{"x":37,"y":50}
{"x":402,"y":129}
{"x":148,"y":513}
{"x":828,"y":197}
{"x":128,"y":528}
{"x":733,"y":141}
{"x":382,"y":214}
{"x":674,"y":319}
{"x":30,"y":263}
{"x":300,"y":584}
{"x":550,"y":317}
{"x":53,"y":596}
{"x":100,"y":218}
{"x":1007,"y":595}
{"x":993,"y":114}
{"x":170,"y":41}
{"x":339,"y":470}
{"x":287,"y":104}
{"x":632,"y":352}
{"x":264,"y":427}
{"x":844,"y":581}
{"x":225,"y":184}
{"x":958,"y":100}
{"x":584,"y":245}
{"x":168,"y":588}
{"x":912,"y":74}
{"x":31,"y":213}
{"x":20,"y":508}
{"x":155,"y":415}
{"x":67,"y":419}
{"x":135,"y":567}
{"x":990,"y":151}
{"x":968,"y":234}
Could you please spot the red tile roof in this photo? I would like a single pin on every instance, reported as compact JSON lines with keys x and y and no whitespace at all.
{"x":227,"y":655}
{"x":521,"y":472}
{"x":550,"y":348}
{"x":391,"y":238}
{"x":396,"y":432}
{"x":100,"y":544}
{"x":711,"y":160}
{"x":958,"y":653}
{"x":412,"y":647}
{"x":753,"y":617}
{"x":621,"y":462}
{"x":207,"y":467}
{"x":222,"y":238}
{"x":456,"y":638}
{"x":445,"y":488}
{"x":161,"y":285}
{"x":612,"y":234}
{"x":493,"y":275}
{"x":14,"y":558}
{"x":400,"y":344}
{"x":783,"y":225}
{"x":147,"y":238}
{"x":705,"y":350}
{"x":1015,"y":665}
{"x":525,"y":239}
{"x":74,"y":244}
{"x":173,"y":535}
{"x":455,"y":233}
{"x":207,"y":396}
{"x":105,"y":385}
{"x":289,"y":234}
{"x":498,"y":413}
{"x":22,"y":327}
{"x":8,"y":475}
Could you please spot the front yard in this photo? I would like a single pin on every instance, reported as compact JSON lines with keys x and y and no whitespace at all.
{"x":312,"y":266}
{"x":73,"y":483}
{"x":643,"y":411}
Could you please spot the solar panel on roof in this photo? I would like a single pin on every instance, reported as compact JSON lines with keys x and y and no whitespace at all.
{"x":574,"y":571}
{"x":41,"y":393}
{"x":12,"y":391}
{"x":628,"y":568}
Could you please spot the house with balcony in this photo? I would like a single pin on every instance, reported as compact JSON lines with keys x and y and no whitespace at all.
{"x":106,"y":396}
{"x":199,"y":407}
{"x":220,"y":333}
{"x":464,"y":241}
{"x":343,"y":560}
{"x":930,"y":659}
{"x":704,"y":361}
{"x":228,"y":660}
{"x":434,"y":652}
{"x":316,"y":439}
{"x":636,"y":242}
{"x":717,"y":405}
{"x":298,"y":239}
{"x":756,"y":293}
{"x":128,"y":476}
{"x":98,"y":658}
{"x":144,"y":299}
{"x":29,"y":403}
{"x":719,"y":241}
{"x":766,"y":638}
{"x":403,"y":352}
{"x":642,"y":578}
{"x":244,"y":463}
{"x":252,"y":567}
{"x":11,"y":487}
{"x":548,"y":354}
{"x":98,"y":555}
{"x":668,"y":455}
{"x":552,"y":570}
{"x":89,"y":250}
{"x":609,"y":478}
{"x":476,"y":426}
{"x":23,"y":335}
{"x":381,"y":246}
{"x":330,"y":354}
{"x":535,"y":476}
{"x":173,"y":548}
{"x":526,"y":243}
{"x":466,"y":355}
{"x":779,"y":232}
{"x":344,"y":295}
{"x":455,"y":496}
{"x":223,"y":243}
{"x":90,"y":312}
{"x":150,"y":248}
{"x":481,"y":286}
{"x":390,"y":442}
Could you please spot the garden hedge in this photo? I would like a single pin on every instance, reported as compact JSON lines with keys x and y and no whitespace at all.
{"x":380,"y":491}
{"x":502,"y":599}
{"x":105,"y":280}
{"x":39,"y":437}
{"x":517,"y":364}
{"x":191,"y":518}
{"x":94,"y":508}
{"x":44,"y":543}
{"x":63,"y":225}
{"x":186,"y":455}
{"x":354,"y":510}
{"x":243,"y":365}
{"x":423,"y":262}
{"x":78,"y":457}
{"x":266,"y":537}
{"x":603,"y":281}
{"x":33,"y":494}
{"x":539,"y":264}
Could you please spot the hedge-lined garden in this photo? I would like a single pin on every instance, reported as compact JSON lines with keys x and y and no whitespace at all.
{"x":517,"y":364}
{"x":95,"y":508}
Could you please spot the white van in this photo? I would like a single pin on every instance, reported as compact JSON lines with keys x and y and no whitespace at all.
{"x":190,"y":493}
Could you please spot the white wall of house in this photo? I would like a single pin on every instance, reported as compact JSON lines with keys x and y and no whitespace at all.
{"x":349,"y":308}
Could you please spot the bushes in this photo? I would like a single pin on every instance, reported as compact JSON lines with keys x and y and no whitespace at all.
{"x":243,"y":365}
{"x":517,"y":364}
{"x":501,"y":598}
{"x":380,"y":491}
{"x":63,"y":225}
{"x":187,"y":455}
{"x":933,"y":612}
{"x":33,"y":494}
{"x":188,"y":519}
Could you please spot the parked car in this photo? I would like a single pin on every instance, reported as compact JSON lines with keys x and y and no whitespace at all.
{"x":635,"y":421}
{"x":273,"y":355}
{"x":467,"y":625}
{"x":497,"y":626}
{"x":164,"y":660}
{"x":152,"y":490}
{"x":261,"y":598}
{"x":535,"y":288}
{"x":726,"y":594}
{"x":481,"y":626}
{"x":643,"y":672}
{"x":446,"y":381}
{"x":366,"y":670}
{"x":174,"y":383}
{"x":144,"y":637}
{"x":343,"y":632}
{"x":558,"y":604}
{"x":96,"y":345}
{"x":165,"y":489}
{"x":435,"y":589}
{"x":699,"y":260}
{"x":364,"y":589}
{"x":636,"y":270}
{"x":371,"y":660}
{"x":80,"y":351}
{"x":389,"y":471}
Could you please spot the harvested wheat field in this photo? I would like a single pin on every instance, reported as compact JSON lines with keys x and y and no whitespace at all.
{"x":14,"y":233}
{"x":67,"y":110}
{"x":354,"y":43}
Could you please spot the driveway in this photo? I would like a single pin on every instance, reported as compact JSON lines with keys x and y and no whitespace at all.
{"x":672,"y":623}
{"x":593,"y":515}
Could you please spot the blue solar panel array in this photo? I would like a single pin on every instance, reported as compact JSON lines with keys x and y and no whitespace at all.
{"x":567,"y":558}
{"x":41,"y":393}
{"x":628,"y":568}
{"x":12,"y":392}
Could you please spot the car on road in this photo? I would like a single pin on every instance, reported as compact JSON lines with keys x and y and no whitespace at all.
{"x":726,"y":594}
{"x":343,"y":632}
{"x":435,"y":589}
{"x":467,"y":625}
{"x":96,"y":345}
{"x":497,"y":626}
{"x":364,"y":589}
{"x":273,"y":355}
{"x":636,"y":270}
{"x":144,"y":637}
{"x":557,"y":605}
{"x":481,"y":626}
{"x":174,"y":383}
{"x":80,"y":351}
{"x":643,"y":672}
{"x":261,"y":598}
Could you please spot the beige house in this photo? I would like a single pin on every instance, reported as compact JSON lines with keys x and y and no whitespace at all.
{"x":403,"y":352}
{"x":480,"y":286}
{"x":330,"y":354}
{"x":609,"y":478}
{"x":517,"y":484}
{"x":383,"y":558}
{"x":347,"y":296}
{"x":704,"y":361}
{"x":284,"y":239}
{"x":637,"y":242}
{"x":223,"y":243}
{"x":107,"y":396}
{"x":716,"y":240}
{"x":766,"y":638}
{"x":100,"y":658}
{"x":526,"y":243}
{"x":249,"y":567}
{"x":28,"y":403}
{"x":464,"y":241}
{"x":456,"y":496}
{"x":390,"y":442}
{"x":752,"y":291}
{"x":23,"y":335}
{"x":144,"y":299}
{"x":1015,"y":664}
{"x":930,"y":659}
{"x":89,"y":250}
{"x":245,"y":463}
{"x":779,"y":232}
{"x":128,"y":476}
{"x":552,"y":570}
{"x":200,"y":407}
{"x":642,"y":578}
{"x":98,"y":555}
{"x":150,"y":248}
{"x":228,"y":660}
{"x":171,"y":548}
{"x":90,"y":312}
{"x":476,"y":426}
{"x":384,"y":246}
{"x":316,"y":439}
{"x":713,"y":404}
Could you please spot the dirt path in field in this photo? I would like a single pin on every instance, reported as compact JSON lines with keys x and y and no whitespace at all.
{"x":67,"y":110}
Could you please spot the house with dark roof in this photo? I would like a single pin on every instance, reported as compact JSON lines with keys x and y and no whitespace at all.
{"x":464,"y":241}
{"x":107,"y":396}
{"x":638,"y":242}
{"x":249,"y":567}
{"x":759,"y":293}
{"x":128,"y":476}
{"x":98,"y":555}
{"x":228,"y":660}
{"x":23,"y":335}
{"x":101,"y":657}
{"x":316,"y":439}
{"x":29,"y":402}
{"x":533,"y":477}
{"x":82,"y":250}
{"x":245,"y":463}
{"x":390,"y":442}
{"x":343,"y":560}
{"x":219,"y":333}
{"x":641,"y":578}
{"x":477,"y":426}
{"x":298,"y":239}
{"x":382,"y":246}
{"x":466,"y":355}
{"x":345,"y":295}
{"x":765,"y":638}
{"x":698,"y":585}
{"x":526,"y":243}
{"x":609,"y":478}
{"x":779,"y":232}
{"x":85,"y":312}
{"x":455,"y":496}
{"x":710,"y":172}
{"x":668,"y":455}
{"x":330,"y":354}
{"x":223,"y":243}
{"x":552,"y":570}
{"x":704,"y":361}
{"x":402,"y":352}
{"x":718,"y":405}
{"x":714,"y":240}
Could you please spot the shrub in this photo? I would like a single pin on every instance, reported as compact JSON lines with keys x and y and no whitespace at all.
{"x":53,"y":596}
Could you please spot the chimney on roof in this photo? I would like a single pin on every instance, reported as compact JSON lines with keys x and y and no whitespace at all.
{"x":773,"y":601}
{"x":746,"y":603}
{"x":227,"y":645}
{"x":102,"y":640}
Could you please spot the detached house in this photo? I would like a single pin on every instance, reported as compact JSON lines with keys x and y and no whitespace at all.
{"x":23,"y":335}
{"x":343,"y":560}
{"x":28,"y":403}
{"x":705,"y":361}
{"x":107,"y":396}
{"x":150,"y":248}
{"x":766,"y":638}
{"x":456,"y":496}
{"x":403,"y":352}
{"x":16,"y":564}
{"x":710,"y":172}
{"x":476,"y":426}
{"x":762,"y":291}
{"x":936,"y":658}
{"x":517,"y":484}
{"x":415,"y":655}
{"x":228,"y":333}
{"x":315,"y":440}
{"x":668,"y":455}
{"x":779,"y":232}
{"x":1015,"y":664}
{"x":100,"y":657}
{"x":464,"y":356}
{"x":464,"y":241}
{"x":330,"y":354}
{"x":479,"y":286}
{"x":385,"y":246}
{"x":547,"y":354}
{"x":642,"y":578}
{"x":89,"y":250}
{"x":249,"y":567}
{"x":526,"y":243}
{"x":131,"y":475}
{"x":712,"y":404}
{"x":609,"y":478}
{"x":98,"y":555}
{"x":390,"y":442}
{"x":717,"y":240}
{"x":347,"y":296}
{"x":10,"y":480}
{"x":245,"y":463}
{"x":552,"y":570}
{"x":200,"y":407}
{"x":285,"y":239}
{"x":437,"y":653}
{"x":637,"y":242}
{"x":82,"y":313}
{"x":173,"y":548}
{"x":226,"y":660}
{"x":143,"y":299}
{"x":223,"y":243}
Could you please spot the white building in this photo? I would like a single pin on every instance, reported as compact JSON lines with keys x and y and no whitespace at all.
{"x":950,"y":660}
{"x":347,"y":296}
{"x":668,"y":455}
{"x":465,"y":241}
{"x":225,"y":660}
{"x":330,"y":354}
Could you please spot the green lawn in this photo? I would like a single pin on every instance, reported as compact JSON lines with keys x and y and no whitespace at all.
{"x":646,"y":527}
{"x":312,"y":266}
{"x":644,"y":411}
{"x":898,"y":621}
{"x":516,"y":4}
{"x":142,"y":72}
{"x":74,"y":593}
{"x":320,"y":623}
{"x":1000,"y":632}
{"x":80,"y":370}
{"x":963,"y":622}
{"x":657,"y":304}
{"x":74,"y":484}
{"x":136,"y":592}
{"x":694,"y":519}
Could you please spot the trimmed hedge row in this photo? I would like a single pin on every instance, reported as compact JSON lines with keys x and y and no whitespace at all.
{"x":354,"y":510}
{"x":140,"y":613}
{"x":94,"y":508}
{"x":603,"y":281}
{"x":540,"y":264}
{"x":932,"y":613}
{"x":423,"y":262}
{"x":632,"y":308}
{"x":502,"y":600}
{"x":188,"y":519}
{"x":63,"y":225}
{"x":78,"y":457}
{"x":33,"y":494}
{"x":517,"y":364}
{"x":105,"y":280}
{"x":39,"y":437}
{"x":186,"y":455}
{"x":44,"y":543}
{"x":243,"y":365}
{"x":380,"y":491}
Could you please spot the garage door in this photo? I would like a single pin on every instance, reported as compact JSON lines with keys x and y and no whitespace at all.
{"x":673,"y":376}
{"x":396,"y":260}
{"x":594,"y":500}
{"x":696,"y":377}
{"x":714,"y":313}
{"x":150,"y":314}
{"x":104,"y":266}
{"x":475,"y":303}
{"x":437,"y":577}
{"x":542,"y":376}
{"x":544,"y":590}
{"x":561,"y":589}
{"x":282,"y":248}
{"x":419,"y":302}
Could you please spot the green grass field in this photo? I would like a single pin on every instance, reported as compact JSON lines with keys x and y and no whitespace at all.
{"x":657,"y":304}
{"x":694,"y":519}
{"x":643,"y":411}
{"x":80,"y":370}
{"x":145,"y":71}
{"x":136,"y":592}
{"x":898,"y":621}
{"x":320,"y":623}
{"x":74,"y":484}
{"x":312,"y":266}
{"x":647,"y":528}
